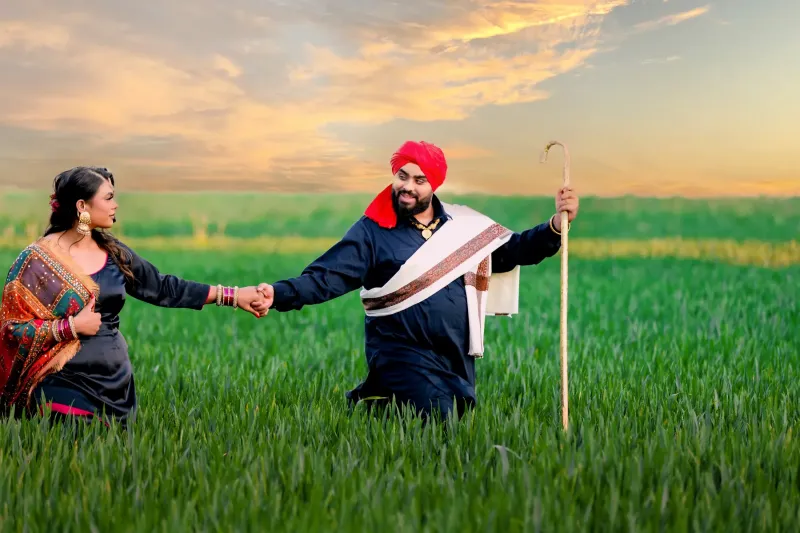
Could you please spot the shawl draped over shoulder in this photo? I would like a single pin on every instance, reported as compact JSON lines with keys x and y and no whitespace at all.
{"x":43,"y":285}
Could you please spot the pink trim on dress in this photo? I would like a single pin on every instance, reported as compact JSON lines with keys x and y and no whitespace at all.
{"x":73,"y":411}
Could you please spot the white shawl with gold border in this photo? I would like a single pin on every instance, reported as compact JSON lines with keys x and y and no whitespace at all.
{"x":462,"y":247}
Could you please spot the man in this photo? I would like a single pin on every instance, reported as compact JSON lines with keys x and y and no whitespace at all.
{"x":425,"y":269}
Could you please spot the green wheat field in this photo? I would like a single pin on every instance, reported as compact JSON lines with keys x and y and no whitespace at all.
{"x":684,"y":352}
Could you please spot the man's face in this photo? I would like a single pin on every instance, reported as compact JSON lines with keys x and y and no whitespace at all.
{"x":411,"y":191}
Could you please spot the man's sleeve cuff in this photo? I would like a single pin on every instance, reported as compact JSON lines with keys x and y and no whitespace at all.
{"x":283,"y":296}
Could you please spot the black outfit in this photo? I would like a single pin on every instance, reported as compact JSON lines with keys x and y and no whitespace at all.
{"x":419,"y":355}
{"x":99,"y":377}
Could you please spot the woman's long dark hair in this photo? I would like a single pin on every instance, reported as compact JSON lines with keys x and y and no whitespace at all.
{"x":82,"y":183}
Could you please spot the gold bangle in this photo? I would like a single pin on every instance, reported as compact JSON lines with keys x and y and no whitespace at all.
{"x":71,"y":321}
{"x":554,"y":230}
{"x":54,"y":331}
{"x":219,"y":295}
{"x":235,"y":297}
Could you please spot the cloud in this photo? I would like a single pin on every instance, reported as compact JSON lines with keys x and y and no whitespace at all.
{"x":486,"y":21}
{"x":27,"y":36}
{"x":456,"y":61}
{"x":227,"y":66}
{"x":128,"y":80}
{"x":253,"y":91}
{"x":673,"y":19}
{"x":661,"y":61}
{"x":457,"y":151}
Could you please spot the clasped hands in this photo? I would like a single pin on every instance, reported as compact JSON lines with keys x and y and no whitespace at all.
{"x":262,"y":305}
{"x":256,"y":300}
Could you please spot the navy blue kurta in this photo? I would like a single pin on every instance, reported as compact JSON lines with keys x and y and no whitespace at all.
{"x":100,"y":377}
{"x":419,"y":355}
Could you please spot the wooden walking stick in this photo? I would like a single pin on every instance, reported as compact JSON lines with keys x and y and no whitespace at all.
{"x":564,"y":252}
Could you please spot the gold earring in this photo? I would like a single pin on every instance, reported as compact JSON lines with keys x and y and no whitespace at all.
{"x":83,"y":223}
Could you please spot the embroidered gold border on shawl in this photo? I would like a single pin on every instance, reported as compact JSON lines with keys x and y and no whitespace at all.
{"x":84,"y":285}
{"x":479,"y":279}
{"x":440,"y":270}
{"x":70,"y":270}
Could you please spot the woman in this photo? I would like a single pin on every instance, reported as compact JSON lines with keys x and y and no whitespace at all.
{"x":59,"y":337}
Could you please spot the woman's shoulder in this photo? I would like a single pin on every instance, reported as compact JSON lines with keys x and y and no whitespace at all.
{"x":31,"y":250}
{"x":128,"y":249}
{"x":40,"y":245}
{"x":48,"y":240}
{"x":125,"y":252}
{"x":25,"y":253}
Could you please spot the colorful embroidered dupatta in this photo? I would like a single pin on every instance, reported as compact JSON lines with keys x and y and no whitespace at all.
{"x":43,"y":285}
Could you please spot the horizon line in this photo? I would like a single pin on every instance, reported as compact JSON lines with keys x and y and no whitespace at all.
{"x":176,"y":192}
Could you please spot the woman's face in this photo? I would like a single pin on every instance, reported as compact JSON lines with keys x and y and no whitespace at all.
{"x":102,"y":207}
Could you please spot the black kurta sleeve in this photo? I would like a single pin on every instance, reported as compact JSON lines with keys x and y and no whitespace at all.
{"x":340,"y":270}
{"x":163,"y":290}
{"x":529,"y":247}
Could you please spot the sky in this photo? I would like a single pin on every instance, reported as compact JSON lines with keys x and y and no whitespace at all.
{"x":654,"y":97}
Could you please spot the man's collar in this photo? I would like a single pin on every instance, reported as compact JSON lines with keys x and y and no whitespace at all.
{"x":438,"y":208}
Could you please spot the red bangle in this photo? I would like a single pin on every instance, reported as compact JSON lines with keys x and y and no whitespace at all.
{"x":67,"y":330}
{"x":64,"y":333}
{"x":227,"y":296}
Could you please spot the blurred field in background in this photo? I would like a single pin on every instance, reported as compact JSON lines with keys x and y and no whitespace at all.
{"x":257,"y":215}
{"x":740,"y":231}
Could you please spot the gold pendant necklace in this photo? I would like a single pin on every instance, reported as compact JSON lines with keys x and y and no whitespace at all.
{"x":427,"y":231}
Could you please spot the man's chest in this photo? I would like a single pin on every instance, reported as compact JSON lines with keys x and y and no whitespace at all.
{"x":392,"y":250}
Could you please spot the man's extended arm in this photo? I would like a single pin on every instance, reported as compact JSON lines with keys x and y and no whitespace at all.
{"x":529,"y":247}
{"x":336,"y":272}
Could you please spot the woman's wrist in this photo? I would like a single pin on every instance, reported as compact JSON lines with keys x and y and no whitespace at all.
{"x":63,"y":330}
{"x":225,"y":296}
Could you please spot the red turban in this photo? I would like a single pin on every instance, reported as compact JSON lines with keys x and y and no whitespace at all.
{"x":426,"y":156}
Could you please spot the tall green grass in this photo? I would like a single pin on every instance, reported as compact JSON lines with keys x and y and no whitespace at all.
{"x":684,"y":402}
{"x":684,"y":393}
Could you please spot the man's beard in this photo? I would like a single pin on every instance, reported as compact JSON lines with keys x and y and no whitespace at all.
{"x":419,"y":207}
